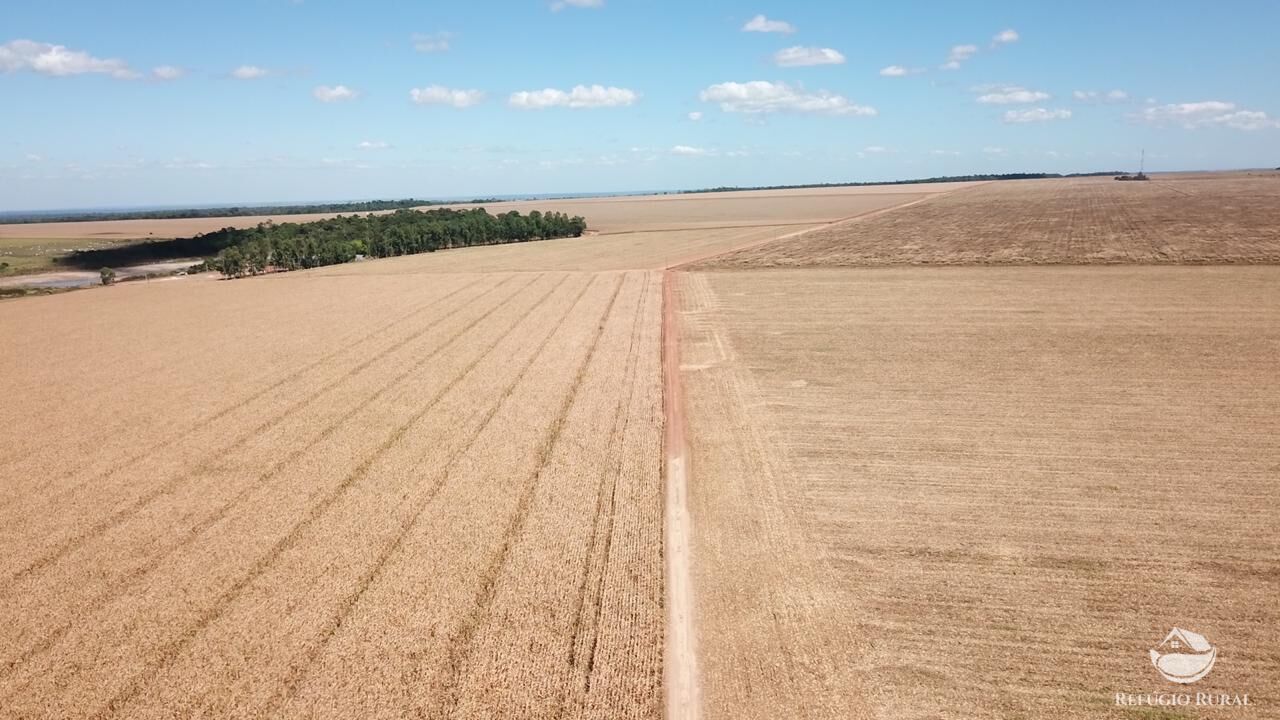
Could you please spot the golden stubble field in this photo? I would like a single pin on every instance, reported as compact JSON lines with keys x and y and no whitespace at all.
{"x":446,"y":514}
{"x":425,"y":486}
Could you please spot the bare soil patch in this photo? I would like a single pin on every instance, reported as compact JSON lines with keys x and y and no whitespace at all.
{"x":1195,"y":219}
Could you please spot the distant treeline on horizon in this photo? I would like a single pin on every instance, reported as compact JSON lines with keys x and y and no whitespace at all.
{"x":917,"y":181}
{"x":365,"y":206}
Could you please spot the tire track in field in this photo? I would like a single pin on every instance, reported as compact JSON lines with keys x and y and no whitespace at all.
{"x":348,"y":606}
{"x":196,"y":530}
{"x":460,"y":641}
{"x":584,"y":633}
{"x":288,"y":376}
{"x":64,"y":493}
{"x":138,"y":573}
{"x":132,"y":508}
{"x":172,"y":649}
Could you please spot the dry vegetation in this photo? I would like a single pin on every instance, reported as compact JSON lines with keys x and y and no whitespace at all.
{"x":980,"y":492}
{"x":1194,"y":219}
{"x":430,"y":495}
{"x":426,"y":485}
{"x":431,"y":485}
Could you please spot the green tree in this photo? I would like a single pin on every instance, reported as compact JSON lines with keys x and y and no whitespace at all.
{"x":107,"y":275}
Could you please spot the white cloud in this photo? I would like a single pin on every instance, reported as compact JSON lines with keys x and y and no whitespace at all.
{"x":1093,"y":96}
{"x":958,"y":54}
{"x":180,"y":163}
{"x":993,"y":150}
{"x":1004,"y":37}
{"x":762,"y":24}
{"x":1035,"y":115}
{"x":1012,"y":95}
{"x":33,"y":157}
{"x":1208,"y":113}
{"x":944,"y":152}
{"x":248,"y":72}
{"x":695,"y":116}
{"x":875,"y":149}
{"x":899,"y":71}
{"x":581,"y":96}
{"x":562,"y":4}
{"x":167,"y":72}
{"x":438,"y":95}
{"x":335,"y":93}
{"x":761,"y":96}
{"x":372,"y":145}
{"x":58,"y":61}
{"x":432,"y":42}
{"x":800,"y":56}
{"x":689,"y":151}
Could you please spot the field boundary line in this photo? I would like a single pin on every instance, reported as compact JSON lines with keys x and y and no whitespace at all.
{"x":680,"y":662}
{"x":683,"y":264}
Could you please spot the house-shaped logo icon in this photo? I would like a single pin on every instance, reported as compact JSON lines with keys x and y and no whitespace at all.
{"x":1184,"y":657}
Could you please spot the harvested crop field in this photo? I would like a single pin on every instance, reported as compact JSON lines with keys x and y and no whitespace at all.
{"x":435,"y":496}
{"x":980,"y":492}
{"x":428,"y":485}
{"x":612,"y":214}
{"x":1174,"y":219}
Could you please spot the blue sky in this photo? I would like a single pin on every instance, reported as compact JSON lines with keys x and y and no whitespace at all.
{"x":155,"y":103}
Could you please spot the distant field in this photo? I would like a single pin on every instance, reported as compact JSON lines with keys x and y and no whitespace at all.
{"x":35,"y":247}
{"x":1174,"y":219}
{"x":26,"y":254}
{"x":646,"y":212}
{"x":980,"y":492}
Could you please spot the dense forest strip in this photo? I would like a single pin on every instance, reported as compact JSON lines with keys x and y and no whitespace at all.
{"x":291,"y":246}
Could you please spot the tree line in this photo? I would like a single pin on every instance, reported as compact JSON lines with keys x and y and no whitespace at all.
{"x":292,"y":246}
{"x":289,"y":246}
